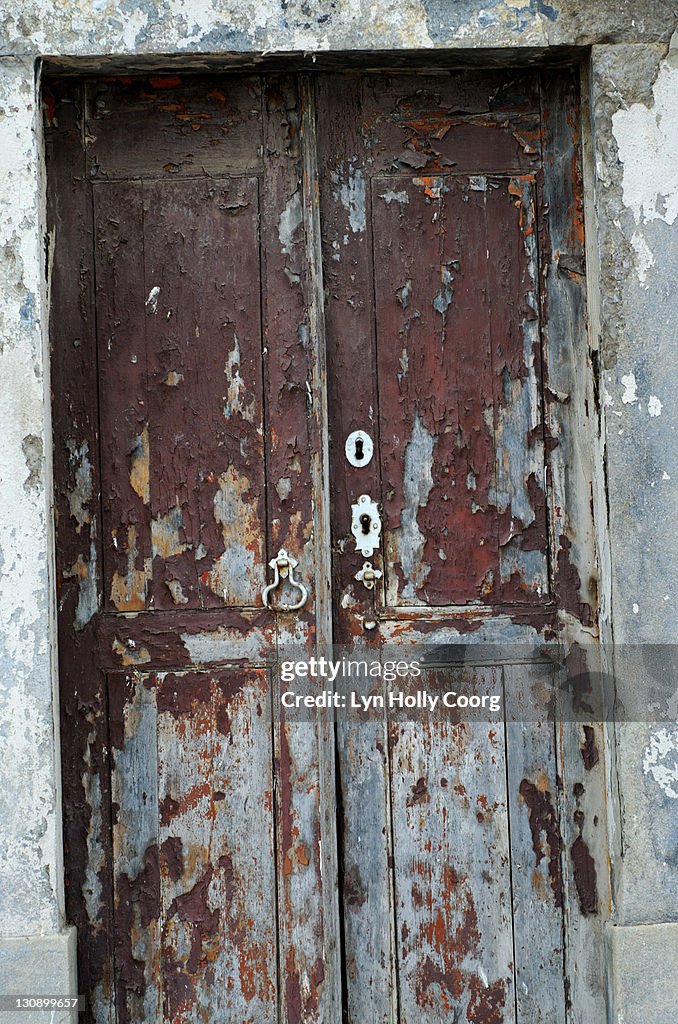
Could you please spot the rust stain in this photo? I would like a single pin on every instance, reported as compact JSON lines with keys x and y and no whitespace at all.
{"x":585,"y":878}
{"x":589,"y":748}
{"x":165,"y":81}
{"x":545,"y":831}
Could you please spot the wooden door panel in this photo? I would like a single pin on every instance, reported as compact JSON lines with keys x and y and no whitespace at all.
{"x":459,"y":370}
{"x":181,"y":385}
{"x":193,"y":840}
{"x":191,"y":405}
{"x":198,"y":839}
{"x":452,"y":871}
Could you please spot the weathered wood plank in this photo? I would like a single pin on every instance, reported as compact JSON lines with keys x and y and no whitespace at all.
{"x":451,"y":862}
{"x":536,"y":845}
{"x":167,"y":126}
{"x":570,"y":419}
{"x":83,"y":707}
{"x":123,"y":406}
{"x":134,"y":792}
{"x":308,"y":940}
{"x":215,"y":796}
{"x":514,"y":320}
{"x":367,"y":873}
{"x":353,"y":404}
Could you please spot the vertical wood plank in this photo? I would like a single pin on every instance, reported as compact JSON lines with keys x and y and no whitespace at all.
{"x":134,"y":792}
{"x":308,"y":942}
{"x":83,"y":705}
{"x":536,"y":845}
{"x":452,"y":874}
{"x":352,"y":399}
{"x":569,"y":417}
{"x":216,"y":847}
{"x":123,"y":404}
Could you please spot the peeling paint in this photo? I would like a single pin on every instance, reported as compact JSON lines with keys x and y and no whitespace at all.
{"x":417,"y":484}
{"x":237,"y":388}
{"x":352,"y":195}
{"x":236,"y":575}
{"x":80,"y":495}
{"x":139,"y":476}
{"x":660,"y":760}
{"x":289,"y":223}
{"x":630,"y":395}
{"x":165,"y":531}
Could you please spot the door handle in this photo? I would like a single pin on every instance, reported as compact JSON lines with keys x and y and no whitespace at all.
{"x":283,"y":566}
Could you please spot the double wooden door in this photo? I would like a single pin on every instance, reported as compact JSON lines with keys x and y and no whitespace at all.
{"x":245,"y":271}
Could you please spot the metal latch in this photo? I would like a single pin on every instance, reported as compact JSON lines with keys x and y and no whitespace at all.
{"x":283,"y":566}
{"x":368,"y":575}
{"x":365,"y":525}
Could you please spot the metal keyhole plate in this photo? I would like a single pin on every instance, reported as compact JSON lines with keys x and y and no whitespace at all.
{"x":359,"y":448}
{"x":365,"y":525}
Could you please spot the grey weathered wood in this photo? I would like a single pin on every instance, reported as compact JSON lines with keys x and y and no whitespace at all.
{"x":536,"y":845}
{"x":320,"y":487}
{"x":571,"y":422}
{"x":216,"y":848}
{"x":134,"y":793}
{"x":452,"y":866}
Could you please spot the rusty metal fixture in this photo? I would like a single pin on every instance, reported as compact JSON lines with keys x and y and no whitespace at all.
{"x":283,"y":566}
{"x":368,"y":575}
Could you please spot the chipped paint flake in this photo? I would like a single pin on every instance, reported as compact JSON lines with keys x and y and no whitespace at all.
{"x":128,"y":592}
{"x":80,"y":495}
{"x":644,"y":256}
{"x":660,"y":760}
{"x":417,"y":484}
{"x":165,"y":534}
{"x":236,"y":575}
{"x":394,"y":197}
{"x":654,"y":406}
{"x":289,"y":223}
{"x":152,"y":300}
{"x":630,"y":395}
{"x":352,"y":195}
{"x":139,"y":476}
{"x":88,"y":596}
{"x":236,"y":387}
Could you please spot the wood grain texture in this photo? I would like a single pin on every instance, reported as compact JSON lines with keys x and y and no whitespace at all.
{"x":452,"y":868}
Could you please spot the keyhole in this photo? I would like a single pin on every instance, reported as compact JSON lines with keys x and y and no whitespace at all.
{"x":366,"y":523}
{"x":359,"y":453}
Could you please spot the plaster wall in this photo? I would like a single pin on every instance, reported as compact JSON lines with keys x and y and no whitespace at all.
{"x":633,"y":236}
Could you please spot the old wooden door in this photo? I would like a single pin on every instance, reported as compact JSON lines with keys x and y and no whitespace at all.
{"x":244,"y":270}
{"x":453,"y":272}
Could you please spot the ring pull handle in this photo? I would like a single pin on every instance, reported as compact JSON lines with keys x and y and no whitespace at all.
{"x":283,"y":566}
